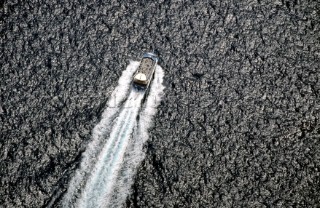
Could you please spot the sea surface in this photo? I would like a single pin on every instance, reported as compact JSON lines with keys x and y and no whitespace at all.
{"x":238,"y":124}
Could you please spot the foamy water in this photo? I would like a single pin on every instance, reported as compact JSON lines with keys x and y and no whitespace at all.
{"x":111,"y":159}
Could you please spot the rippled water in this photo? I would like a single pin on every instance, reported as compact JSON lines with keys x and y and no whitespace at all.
{"x":238,"y":123}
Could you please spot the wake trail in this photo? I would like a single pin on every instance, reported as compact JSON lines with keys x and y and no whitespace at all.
{"x":99,"y":135}
{"x":100,"y":184}
{"x":134,"y":153}
{"x":111,"y":159}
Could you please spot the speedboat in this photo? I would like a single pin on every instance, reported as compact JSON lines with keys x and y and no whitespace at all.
{"x":145,"y":72}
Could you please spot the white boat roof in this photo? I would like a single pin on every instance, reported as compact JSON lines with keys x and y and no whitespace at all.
{"x":140,"y":77}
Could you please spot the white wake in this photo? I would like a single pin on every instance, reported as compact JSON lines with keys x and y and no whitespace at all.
{"x":111,"y":159}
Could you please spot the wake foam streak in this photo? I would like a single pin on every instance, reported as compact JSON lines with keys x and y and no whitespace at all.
{"x":100,"y":183}
{"x":108,"y":166}
{"x":135,"y":153}
{"x":99,"y":135}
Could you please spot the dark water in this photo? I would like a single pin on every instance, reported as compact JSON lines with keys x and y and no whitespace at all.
{"x":239,"y":123}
